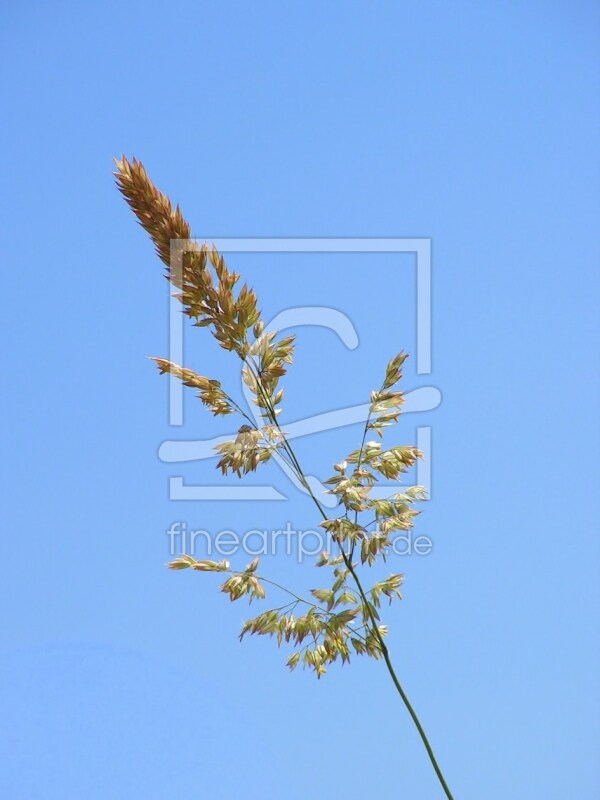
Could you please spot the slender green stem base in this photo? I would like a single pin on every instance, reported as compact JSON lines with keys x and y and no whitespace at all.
{"x":415,"y":719}
{"x":390,"y":668}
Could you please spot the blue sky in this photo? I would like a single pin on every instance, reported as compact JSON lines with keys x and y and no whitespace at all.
{"x":473,"y":124}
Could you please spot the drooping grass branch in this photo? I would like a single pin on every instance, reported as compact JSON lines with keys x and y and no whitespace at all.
{"x":344,"y":619}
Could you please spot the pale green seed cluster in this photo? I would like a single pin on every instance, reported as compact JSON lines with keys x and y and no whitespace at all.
{"x":342,"y":618}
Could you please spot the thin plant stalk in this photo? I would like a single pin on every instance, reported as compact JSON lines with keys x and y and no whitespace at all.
{"x":374,"y":627}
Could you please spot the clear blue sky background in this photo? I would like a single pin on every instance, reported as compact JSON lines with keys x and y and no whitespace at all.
{"x":475,"y":124}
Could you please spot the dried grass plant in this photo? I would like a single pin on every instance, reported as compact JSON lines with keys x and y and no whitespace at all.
{"x":342,"y":619}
